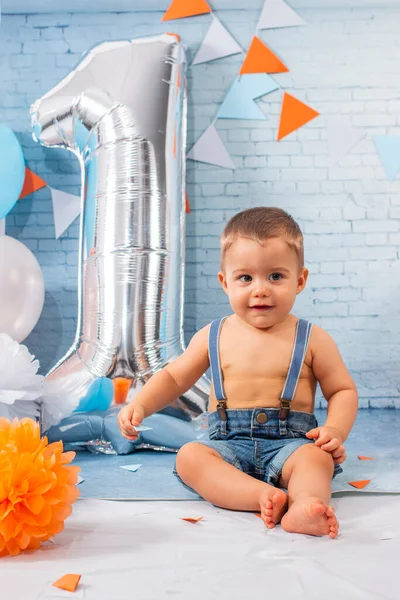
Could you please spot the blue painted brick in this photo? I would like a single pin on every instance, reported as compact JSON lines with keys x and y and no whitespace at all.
{"x":349,"y":213}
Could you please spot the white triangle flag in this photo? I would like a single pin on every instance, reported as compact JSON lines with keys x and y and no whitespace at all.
{"x":218,"y":43}
{"x":2,"y":226}
{"x":66,"y":207}
{"x":342,"y":137}
{"x":210,"y":149}
{"x":276,"y":13}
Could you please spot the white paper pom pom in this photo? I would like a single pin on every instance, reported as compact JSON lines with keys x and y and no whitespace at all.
{"x":20,"y":385}
{"x":60,"y":398}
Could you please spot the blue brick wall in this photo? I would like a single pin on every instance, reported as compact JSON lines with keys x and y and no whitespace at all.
{"x":344,"y":61}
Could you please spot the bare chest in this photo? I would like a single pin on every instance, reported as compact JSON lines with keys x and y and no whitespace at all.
{"x":263,"y":358}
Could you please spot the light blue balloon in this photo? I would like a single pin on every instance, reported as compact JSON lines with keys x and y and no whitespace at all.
{"x":98,"y":396}
{"x":12,"y":170}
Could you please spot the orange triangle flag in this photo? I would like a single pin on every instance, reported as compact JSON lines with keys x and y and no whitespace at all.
{"x":187,"y":204}
{"x":365,"y":457}
{"x":359,"y":484}
{"x":294,"y":115}
{"x":32,"y":183}
{"x":68,"y":583}
{"x":179,"y":9}
{"x":260,"y":59}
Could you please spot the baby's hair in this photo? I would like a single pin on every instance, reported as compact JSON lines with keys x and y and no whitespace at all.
{"x":262,"y":223}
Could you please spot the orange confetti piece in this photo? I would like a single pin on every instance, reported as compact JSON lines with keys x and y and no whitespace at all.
{"x":359,"y":484}
{"x":69,"y":582}
{"x":294,"y":115}
{"x":365,"y":457}
{"x":260,"y":59}
{"x":258,"y":515}
{"x":121,"y":389}
{"x":187,"y":204}
{"x":191,"y":519}
{"x":32,"y":183}
{"x":179,"y":9}
{"x":175,"y":144}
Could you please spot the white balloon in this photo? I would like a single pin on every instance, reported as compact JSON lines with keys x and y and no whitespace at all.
{"x":21,"y":289}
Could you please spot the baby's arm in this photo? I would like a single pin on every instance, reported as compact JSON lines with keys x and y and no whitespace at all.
{"x":337,"y":387}
{"x":167,"y":385}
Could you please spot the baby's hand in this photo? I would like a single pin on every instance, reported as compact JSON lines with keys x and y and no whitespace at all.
{"x":130,"y":417}
{"x":330,"y":440}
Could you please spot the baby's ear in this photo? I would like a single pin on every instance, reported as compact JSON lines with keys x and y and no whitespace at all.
{"x":302,"y":280}
{"x":222,"y":280}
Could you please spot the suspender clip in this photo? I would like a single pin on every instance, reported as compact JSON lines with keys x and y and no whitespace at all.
{"x":284,"y":411}
{"x":221,"y":410}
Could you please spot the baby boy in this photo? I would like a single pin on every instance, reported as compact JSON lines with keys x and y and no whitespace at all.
{"x":265,"y":365}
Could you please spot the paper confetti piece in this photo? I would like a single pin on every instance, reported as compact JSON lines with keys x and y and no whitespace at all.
{"x":359,"y":484}
{"x":191,"y":519}
{"x":365,"y":457}
{"x":258,"y":515}
{"x":80,"y":480}
{"x":132,"y":468}
{"x":68,"y":582}
{"x":142,"y":428}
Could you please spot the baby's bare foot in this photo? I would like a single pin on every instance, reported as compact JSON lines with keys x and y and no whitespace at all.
{"x":273,"y":506}
{"x":311,"y":516}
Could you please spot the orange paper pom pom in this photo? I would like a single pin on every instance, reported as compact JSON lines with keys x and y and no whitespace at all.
{"x":37,"y":488}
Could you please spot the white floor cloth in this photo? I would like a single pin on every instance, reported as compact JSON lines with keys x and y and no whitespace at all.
{"x":143,"y":550}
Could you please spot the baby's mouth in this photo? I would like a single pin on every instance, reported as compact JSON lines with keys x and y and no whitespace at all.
{"x":261,"y":307}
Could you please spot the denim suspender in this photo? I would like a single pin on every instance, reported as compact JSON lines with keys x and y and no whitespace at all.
{"x":303,"y":330}
{"x":213,"y":351}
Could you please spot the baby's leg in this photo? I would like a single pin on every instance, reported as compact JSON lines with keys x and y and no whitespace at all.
{"x":203,"y":469}
{"x":307,"y":475}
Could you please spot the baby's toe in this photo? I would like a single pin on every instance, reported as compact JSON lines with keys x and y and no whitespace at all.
{"x":330,"y":512}
{"x":267,"y":508}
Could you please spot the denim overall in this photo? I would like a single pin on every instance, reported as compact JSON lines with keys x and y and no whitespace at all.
{"x":258,"y":441}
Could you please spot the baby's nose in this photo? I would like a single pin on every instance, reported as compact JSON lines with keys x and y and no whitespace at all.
{"x":262,"y":289}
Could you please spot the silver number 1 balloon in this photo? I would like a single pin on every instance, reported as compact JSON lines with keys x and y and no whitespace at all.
{"x":122,"y":111}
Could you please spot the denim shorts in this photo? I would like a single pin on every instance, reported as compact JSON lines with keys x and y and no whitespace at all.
{"x":251,"y":441}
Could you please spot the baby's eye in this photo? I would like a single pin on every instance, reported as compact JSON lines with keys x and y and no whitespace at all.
{"x":245,"y":278}
{"x":275,"y":277}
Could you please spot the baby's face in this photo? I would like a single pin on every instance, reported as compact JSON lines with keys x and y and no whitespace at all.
{"x":262,"y":280}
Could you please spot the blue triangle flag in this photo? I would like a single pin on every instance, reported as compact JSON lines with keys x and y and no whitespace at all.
{"x":388,"y":148}
{"x":239,"y":101}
